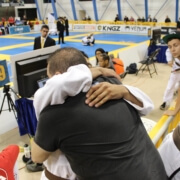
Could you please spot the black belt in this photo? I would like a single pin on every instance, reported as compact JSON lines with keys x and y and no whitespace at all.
{"x":51,"y":176}
{"x":176,"y":70}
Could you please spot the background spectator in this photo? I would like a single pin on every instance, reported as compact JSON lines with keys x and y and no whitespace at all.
{"x":116,"y":18}
{"x":167,"y":20}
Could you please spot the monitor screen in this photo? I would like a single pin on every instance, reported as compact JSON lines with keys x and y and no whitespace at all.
{"x":28,"y":62}
{"x":29,"y":71}
{"x":28,"y":82}
{"x":156,"y":35}
{"x":42,"y":82}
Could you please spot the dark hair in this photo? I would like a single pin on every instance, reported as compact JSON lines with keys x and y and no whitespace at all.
{"x":102,"y":51}
{"x":105,"y":57}
{"x":63,"y":58}
{"x":84,"y":54}
{"x":172,"y":39}
{"x":44,"y":26}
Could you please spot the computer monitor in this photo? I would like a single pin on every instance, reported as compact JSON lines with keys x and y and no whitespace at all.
{"x":28,"y":68}
{"x":156,"y":35}
{"x":29,"y":71}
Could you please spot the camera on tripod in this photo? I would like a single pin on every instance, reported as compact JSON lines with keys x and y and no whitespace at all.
{"x":6,"y":88}
{"x":11,"y":105}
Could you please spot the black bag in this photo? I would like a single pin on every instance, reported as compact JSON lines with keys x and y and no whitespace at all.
{"x":132,"y":68}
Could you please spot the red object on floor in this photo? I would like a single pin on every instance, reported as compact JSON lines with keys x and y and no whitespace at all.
{"x":8,"y":159}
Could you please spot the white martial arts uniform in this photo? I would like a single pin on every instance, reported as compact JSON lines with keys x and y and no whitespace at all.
{"x":88,"y":41}
{"x":85,"y":41}
{"x":76,"y":79}
{"x":174,"y":78}
{"x":170,"y":155}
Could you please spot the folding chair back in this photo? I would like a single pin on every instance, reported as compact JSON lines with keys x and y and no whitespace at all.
{"x":149,"y":61}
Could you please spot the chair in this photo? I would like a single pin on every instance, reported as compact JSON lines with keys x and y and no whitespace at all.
{"x":149,"y":61}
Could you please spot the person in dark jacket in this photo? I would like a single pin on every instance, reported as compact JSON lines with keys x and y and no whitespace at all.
{"x":66,"y":26}
{"x":44,"y":40}
{"x":60,"y":29}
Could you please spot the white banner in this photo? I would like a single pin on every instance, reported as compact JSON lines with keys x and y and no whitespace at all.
{"x":122,"y":28}
{"x":84,"y":27}
{"x":70,"y":27}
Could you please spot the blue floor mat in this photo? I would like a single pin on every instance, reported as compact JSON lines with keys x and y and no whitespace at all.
{"x":90,"y":50}
{"x":15,"y":51}
{"x":119,"y":38}
{"x":30,"y":35}
{"x":38,"y":34}
{"x":9,"y":42}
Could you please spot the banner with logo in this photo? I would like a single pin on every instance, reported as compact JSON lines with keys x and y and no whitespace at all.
{"x":168,"y":30}
{"x":123,"y":28}
{"x":19,"y":29}
{"x":84,"y":27}
{"x":4,"y":76}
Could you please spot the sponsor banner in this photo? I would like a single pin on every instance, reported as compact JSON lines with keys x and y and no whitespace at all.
{"x":70,"y":27}
{"x":84,"y":27}
{"x":19,"y":29}
{"x":123,"y":28}
{"x":4,"y":4}
{"x":167,"y":30}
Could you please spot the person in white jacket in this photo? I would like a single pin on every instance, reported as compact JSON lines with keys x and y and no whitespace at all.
{"x":88,"y":40}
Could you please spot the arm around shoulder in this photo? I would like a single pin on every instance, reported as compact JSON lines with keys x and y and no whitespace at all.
{"x":146,"y":104}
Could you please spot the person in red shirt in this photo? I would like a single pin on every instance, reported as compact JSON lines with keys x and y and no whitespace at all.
{"x":11,"y":20}
{"x":8,"y":159}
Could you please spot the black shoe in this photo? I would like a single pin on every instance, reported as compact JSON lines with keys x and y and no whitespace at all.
{"x":63,"y":42}
{"x":25,"y":159}
{"x":35,"y":167}
{"x":30,"y":162}
{"x":163,"y":106}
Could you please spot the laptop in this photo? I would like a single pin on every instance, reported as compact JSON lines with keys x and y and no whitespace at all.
{"x":42,"y":82}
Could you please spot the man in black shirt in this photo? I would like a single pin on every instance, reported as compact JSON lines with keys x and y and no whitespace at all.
{"x":66,"y":26}
{"x":60,"y":29}
{"x":109,"y":142}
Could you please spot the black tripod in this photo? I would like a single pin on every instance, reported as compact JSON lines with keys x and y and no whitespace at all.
{"x":11,"y":105}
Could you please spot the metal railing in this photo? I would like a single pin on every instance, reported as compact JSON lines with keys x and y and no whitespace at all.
{"x":165,"y":125}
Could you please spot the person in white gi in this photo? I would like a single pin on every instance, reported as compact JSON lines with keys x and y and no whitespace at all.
{"x":174,"y":80}
{"x":170,"y":154}
{"x":88,"y":40}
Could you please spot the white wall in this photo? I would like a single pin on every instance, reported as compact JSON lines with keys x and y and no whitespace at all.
{"x":135,"y":9}
{"x":110,"y":13}
{"x":133,"y":54}
{"x":168,"y":9}
{"x":7,"y":119}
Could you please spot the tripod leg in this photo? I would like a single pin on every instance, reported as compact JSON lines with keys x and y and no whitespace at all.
{"x":11,"y":105}
{"x":2,"y":103}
